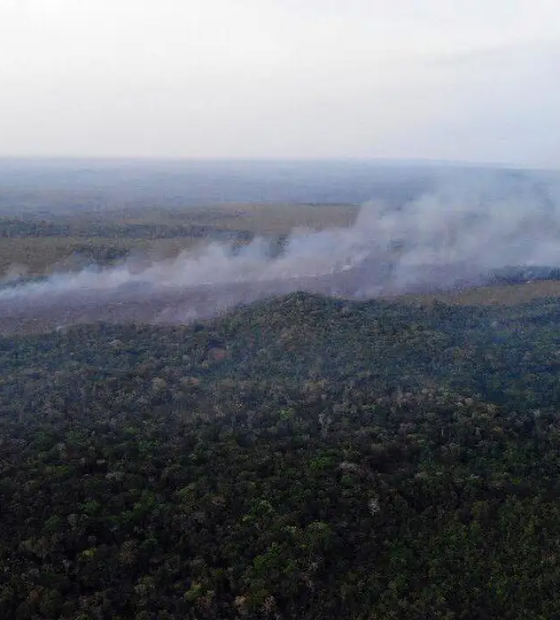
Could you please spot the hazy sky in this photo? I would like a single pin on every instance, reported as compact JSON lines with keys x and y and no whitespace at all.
{"x":446,"y":79}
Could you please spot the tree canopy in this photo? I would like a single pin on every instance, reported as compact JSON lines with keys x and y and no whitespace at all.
{"x":300,"y":458}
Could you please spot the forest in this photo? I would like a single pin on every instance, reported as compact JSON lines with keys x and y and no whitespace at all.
{"x":302,"y":457}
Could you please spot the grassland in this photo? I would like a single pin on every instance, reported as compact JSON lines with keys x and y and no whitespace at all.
{"x":39,"y":244}
{"x":42,"y":243}
{"x":498,"y":295}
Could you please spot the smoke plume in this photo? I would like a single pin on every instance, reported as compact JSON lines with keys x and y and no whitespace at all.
{"x":459,"y":235}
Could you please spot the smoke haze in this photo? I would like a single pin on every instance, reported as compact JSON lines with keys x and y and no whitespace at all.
{"x":457,"y":236}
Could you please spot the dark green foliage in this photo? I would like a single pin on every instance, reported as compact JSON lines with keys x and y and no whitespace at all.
{"x":302,"y":458}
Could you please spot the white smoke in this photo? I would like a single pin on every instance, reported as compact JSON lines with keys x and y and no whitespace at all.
{"x":465,"y":227}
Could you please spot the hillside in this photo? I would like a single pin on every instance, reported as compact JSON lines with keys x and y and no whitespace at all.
{"x":300,"y":458}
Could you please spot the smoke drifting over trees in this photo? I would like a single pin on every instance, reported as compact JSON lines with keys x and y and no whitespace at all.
{"x":467,"y":231}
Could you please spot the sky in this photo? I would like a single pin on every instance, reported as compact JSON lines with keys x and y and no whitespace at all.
{"x":463,"y":80}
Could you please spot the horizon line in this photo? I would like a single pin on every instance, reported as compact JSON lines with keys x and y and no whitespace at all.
{"x":303,"y":160}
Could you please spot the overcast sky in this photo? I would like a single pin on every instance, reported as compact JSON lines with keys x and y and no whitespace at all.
{"x":474,"y":80}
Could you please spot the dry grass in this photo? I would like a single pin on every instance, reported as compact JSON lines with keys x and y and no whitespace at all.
{"x":502,"y":295}
{"x":256,"y":218}
{"x":40,"y":254}
{"x":281,"y":219}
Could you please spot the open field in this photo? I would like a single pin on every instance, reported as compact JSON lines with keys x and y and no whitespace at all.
{"x":41,"y":243}
{"x":257,"y":218}
{"x":502,"y":295}
{"x":36,"y":256}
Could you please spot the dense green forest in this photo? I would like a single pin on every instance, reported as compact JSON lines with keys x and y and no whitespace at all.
{"x":303,"y":458}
